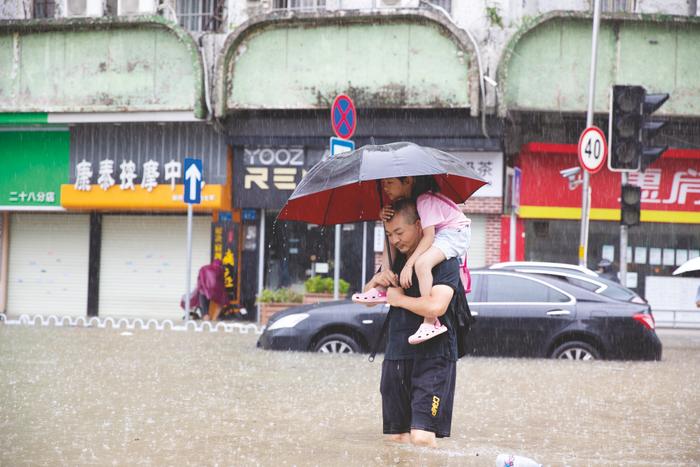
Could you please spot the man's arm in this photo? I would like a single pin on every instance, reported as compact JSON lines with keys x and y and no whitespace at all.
{"x":424,"y":245}
{"x":433,"y":306}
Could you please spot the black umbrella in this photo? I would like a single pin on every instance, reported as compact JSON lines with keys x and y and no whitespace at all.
{"x":344,"y":188}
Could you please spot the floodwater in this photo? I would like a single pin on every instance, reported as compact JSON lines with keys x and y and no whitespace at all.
{"x":88,"y":396}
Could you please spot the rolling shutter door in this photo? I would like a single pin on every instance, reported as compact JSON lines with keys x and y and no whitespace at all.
{"x":477,"y":248}
{"x":48,"y":264}
{"x":143,"y":262}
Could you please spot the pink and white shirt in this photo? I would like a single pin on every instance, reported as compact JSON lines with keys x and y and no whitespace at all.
{"x":438,"y":210}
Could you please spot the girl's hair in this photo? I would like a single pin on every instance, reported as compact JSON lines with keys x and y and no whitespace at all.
{"x":422,"y":184}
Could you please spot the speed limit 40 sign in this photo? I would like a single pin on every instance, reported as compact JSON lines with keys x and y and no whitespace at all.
{"x":592,"y":149}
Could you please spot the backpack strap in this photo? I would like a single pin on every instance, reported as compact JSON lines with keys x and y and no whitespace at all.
{"x":375,"y":347}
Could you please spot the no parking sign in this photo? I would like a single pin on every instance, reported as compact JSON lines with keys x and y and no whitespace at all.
{"x":343,"y":116}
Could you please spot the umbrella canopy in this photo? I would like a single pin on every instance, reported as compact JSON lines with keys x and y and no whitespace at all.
{"x":344,"y":188}
{"x":690,"y":265}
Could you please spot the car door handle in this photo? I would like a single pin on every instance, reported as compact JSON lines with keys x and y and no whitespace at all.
{"x":558,"y":312}
{"x":474,"y":313}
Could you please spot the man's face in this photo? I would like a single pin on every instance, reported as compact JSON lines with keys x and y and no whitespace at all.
{"x":404,"y":236}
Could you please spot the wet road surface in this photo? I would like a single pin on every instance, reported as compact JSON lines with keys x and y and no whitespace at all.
{"x":87,"y":396}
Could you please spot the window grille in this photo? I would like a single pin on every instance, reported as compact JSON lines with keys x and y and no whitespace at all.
{"x":618,"y":6}
{"x":200,"y":15}
{"x":298,"y":4}
{"x":44,"y":8}
{"x":445,"y":4}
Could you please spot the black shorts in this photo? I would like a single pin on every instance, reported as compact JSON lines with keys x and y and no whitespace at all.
{"x":418,"y":394}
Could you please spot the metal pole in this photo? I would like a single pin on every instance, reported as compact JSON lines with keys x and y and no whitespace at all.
{"x":623,"y":244}
{"x":511,"y":242}
{"x":261,"y":258}
{"x":336,"y":266}
{"x":188,"y":280}
{"x":586,"y":190}
{"x":364,"y":254}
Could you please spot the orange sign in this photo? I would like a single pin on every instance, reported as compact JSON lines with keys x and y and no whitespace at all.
{"x":160,"y":198}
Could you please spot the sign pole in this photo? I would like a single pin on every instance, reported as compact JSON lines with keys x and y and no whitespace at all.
{"x":188,"y":281}
{"x":586,"y":191}
{"x":192,"y":194}
{"x":623,"y":244}
{"x":343,"y":122}
{"x":336,"y":268}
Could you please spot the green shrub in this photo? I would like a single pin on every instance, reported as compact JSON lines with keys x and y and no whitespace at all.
{"x":283,"y":295}
{"x":318,"y":284}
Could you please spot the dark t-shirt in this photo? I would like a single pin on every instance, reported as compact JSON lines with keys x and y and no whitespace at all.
{"x":403,"y":323}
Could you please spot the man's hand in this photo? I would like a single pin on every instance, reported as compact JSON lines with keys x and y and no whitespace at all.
{"x":386,"y":213}
{"x":394,"y":295}
{"x":383,"y":279}
{"x":407,"y":276}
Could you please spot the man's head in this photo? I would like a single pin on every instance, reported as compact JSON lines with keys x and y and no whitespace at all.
{"x":404,"y":229}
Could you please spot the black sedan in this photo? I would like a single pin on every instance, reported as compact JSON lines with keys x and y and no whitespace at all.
{"x":517,"y":315}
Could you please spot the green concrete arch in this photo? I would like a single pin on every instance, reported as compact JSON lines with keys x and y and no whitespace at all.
{"x":115,"y":64}
{"x":545,"y":66}
{"x":303,"y":60}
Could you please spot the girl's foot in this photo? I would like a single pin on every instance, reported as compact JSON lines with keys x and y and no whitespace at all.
{"x":427,"y":331}
{"x":373,"y":295}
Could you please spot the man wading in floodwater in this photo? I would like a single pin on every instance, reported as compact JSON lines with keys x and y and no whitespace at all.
{"x":418,"y":381}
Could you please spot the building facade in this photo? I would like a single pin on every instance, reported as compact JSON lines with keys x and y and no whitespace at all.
{"x":246,"y":86}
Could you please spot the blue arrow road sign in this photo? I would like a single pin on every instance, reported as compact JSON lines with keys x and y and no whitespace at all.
{"x":193,"y":181}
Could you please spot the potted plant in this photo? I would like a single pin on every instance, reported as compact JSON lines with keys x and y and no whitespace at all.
{"x":320,"y":289}
{"x":271,"y":301}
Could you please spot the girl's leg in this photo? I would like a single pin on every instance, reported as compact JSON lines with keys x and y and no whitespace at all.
{"x":424,"y":269}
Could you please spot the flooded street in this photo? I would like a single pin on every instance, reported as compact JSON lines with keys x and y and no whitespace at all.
{"x":87,"y":396}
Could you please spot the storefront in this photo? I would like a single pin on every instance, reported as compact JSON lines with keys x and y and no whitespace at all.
{"x":130,"y":180}
{"x":670,"y":212}
{"x":45,"y":251}
{"x":272,"y":152}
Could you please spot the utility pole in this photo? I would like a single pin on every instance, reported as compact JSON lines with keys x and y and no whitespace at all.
{"x":586,"y":191}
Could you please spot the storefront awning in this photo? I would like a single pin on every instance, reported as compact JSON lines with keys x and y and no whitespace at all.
{"x":415,"y":60}
{"x":545,"y":65}
{"x":87,"y":65}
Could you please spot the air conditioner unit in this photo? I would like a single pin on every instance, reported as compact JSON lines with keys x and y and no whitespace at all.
{"x":72,"y":8}
{"x":136,"y":7}
{"x":398,"y":3}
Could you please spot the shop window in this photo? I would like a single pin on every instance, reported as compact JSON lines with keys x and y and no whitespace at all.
{"x":541,"y":229}
{"x":44,"y":8}
{"x":200,"y":15}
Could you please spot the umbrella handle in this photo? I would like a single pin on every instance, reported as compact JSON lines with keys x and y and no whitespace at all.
{"x":386,"y":238}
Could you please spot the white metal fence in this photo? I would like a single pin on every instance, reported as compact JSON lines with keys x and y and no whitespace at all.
{"x":677,"y":318}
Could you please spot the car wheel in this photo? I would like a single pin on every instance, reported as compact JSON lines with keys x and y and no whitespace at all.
{"x":337,"y":343}
{"x":576,"y":350}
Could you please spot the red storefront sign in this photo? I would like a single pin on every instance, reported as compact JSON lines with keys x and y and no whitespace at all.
{"x":670,"y":186}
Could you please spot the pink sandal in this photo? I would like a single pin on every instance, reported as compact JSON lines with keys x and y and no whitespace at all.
{"x":373,"y":295}
{"x":427,"y":331}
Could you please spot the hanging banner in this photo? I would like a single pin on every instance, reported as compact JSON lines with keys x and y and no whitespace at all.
{"x":225,"y":247}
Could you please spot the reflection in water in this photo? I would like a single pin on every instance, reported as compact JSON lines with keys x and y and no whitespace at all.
{"x":99,"y":396}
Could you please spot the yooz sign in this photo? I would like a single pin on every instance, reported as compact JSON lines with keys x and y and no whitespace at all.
{"x":274,"y":156}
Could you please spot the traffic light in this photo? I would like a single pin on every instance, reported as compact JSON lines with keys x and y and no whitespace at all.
{"x":630,"y":131}
{"x":625,"y":128}
{"x":630,"y":201}
{"x":650,"y":128}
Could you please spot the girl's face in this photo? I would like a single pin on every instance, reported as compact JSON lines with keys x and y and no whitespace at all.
{"x":397,"y":189}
